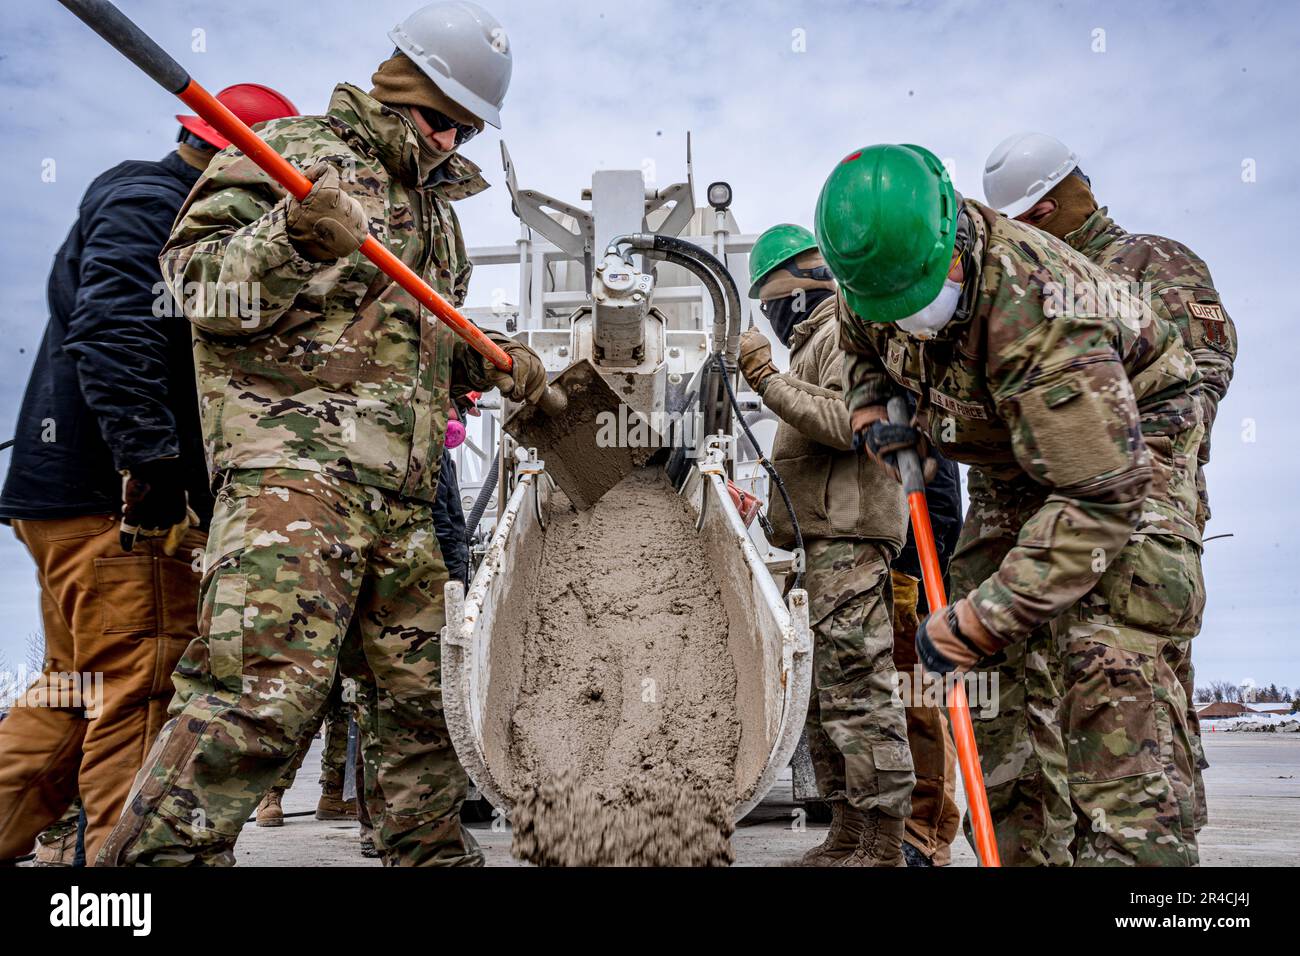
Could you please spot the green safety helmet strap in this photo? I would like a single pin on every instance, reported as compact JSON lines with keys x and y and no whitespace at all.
{"x":887,"y":224}
{"x":774,"y":247}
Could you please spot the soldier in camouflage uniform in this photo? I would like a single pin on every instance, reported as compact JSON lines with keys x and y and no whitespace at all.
{"x":1172,"y":279}
{"x":324,"y":410}
{"x":1077,"y":564}
{"x":852,"y":518}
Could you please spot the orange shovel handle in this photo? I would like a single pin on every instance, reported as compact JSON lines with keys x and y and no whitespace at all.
{"x":963,"y":731}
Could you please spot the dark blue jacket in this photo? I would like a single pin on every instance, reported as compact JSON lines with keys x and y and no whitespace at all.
{"x":449,"y":522}
{"x":113,"y":384}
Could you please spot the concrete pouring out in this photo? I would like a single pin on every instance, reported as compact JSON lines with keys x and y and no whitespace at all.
{"x":624,"y":734}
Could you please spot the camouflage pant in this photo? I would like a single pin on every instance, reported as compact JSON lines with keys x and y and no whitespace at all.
{"x":333,"y":761}
{"x":1087,"y":757}
{"x":303,"y":573}
{"x":857,"y":730}
{"x":935,"y":818}
{"x":1179,"y":654}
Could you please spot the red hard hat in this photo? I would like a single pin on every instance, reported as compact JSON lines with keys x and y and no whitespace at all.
{"x":251,"y":102}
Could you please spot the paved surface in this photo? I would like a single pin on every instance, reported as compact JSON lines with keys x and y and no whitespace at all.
{"x":1253,"y":785}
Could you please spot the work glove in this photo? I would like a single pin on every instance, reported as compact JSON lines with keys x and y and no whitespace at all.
{"x":756,"y":358}
{"x":953,"y":639}
{"x":526,"y":381}
{"x":881,"y":439}
{"x":155,"y":504}
{"x":327,"y":224}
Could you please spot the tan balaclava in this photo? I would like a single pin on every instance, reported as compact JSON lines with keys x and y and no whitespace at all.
{"x":783,"y":307}
{"x":193,"y":156}
{"x":399,"y":82}
{"x":1074,"y":204}
{"x":781,"y":282}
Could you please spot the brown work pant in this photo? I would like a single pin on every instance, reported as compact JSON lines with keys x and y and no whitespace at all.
{"x":935,"y":819}
{"x":121,"y":618}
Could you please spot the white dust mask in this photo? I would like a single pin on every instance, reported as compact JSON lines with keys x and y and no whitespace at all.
{"x":926,"y":323}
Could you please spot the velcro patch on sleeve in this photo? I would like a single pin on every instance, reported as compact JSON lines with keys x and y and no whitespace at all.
{"x":1206,"y":311}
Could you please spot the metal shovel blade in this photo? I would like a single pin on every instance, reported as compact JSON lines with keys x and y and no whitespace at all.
{"x":567,"y":440}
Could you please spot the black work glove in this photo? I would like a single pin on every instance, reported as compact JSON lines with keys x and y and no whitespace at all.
{"x":153,"y":499}
{"x":882,"y":439}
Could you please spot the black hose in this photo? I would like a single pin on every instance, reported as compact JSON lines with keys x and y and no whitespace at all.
{"x":645,"y":241}
{"x":723,"y":275}
{"x":484,"y":496}
{"x":711,"y":401}
{"x":697,"y":269}
{"x":767,"y":466}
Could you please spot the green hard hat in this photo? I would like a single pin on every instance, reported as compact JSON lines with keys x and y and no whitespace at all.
{"x":887,"y":223}
{"x":773,"y":248}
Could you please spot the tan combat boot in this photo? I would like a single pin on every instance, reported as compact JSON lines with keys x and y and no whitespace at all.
{"x":847,"y":823}
{"x":881,"y":843}
{"x":332,"y":806}
{"x":269,"y":812}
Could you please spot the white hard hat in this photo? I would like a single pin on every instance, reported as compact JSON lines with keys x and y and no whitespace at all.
{"x":1023,"y":168}
{"x":464,"y":50}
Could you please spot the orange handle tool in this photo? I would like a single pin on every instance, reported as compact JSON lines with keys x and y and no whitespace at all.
{"x":963,"y":732}
{"x":133,"y":43}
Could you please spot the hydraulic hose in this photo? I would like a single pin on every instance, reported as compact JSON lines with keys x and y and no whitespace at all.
{"x":484,"y":496}
{"x":726,"y":333}
{"x":710,"y":401}
{"x":771,"y":472}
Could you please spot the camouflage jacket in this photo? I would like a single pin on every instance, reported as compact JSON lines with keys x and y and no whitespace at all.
{"x":327,"y":367}
{"x":836,"y":492}
{"x":1178,"y":287}
{"x":1029,"y":380}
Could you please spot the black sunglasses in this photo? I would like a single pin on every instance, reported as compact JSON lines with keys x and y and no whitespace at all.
{"x":817,"y":273}
{"x":441,"y":122}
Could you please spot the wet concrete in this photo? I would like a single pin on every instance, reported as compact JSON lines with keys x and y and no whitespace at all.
{"x":620,"y":728}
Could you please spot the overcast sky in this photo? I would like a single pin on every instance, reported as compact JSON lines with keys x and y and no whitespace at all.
{"x":1165,"y":103}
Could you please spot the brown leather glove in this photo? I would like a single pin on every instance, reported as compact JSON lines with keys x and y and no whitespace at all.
{"x":943,"y":648}
{"x":756,"y":358}
{"x":527,"y":380}
{"x":327,"y":224}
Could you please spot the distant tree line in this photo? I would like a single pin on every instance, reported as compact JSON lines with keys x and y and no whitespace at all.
{"x":1220,"y":691}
